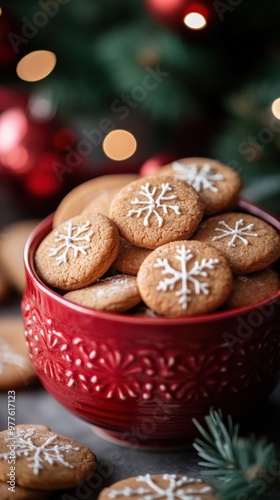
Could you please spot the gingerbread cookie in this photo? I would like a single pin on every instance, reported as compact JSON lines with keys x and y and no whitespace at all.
{"x":16,"y":370}
{"x":78,"y":252}
{"x":166,"y":486}
{"x":43,"y":459}
{"x":100,"y":189}
{"x":217,"y":184}
{"x":10,"y":492}
{"x":13,"y":239}
{"x":129,"y":258}
{"x":249,"y":243}
{"x":252,"y":288}
{"x":184,"y":278}
{"x":153,"y":211}
{"x":115,"y":294}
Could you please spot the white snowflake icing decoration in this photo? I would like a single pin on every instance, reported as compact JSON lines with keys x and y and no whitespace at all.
{"x":185,"y":275}
{"x":73,"y":235}
{"x":199,"y":179}
{"x":48,"y":452}
{"x":238,"y":232}
{"x":8,"y":356}
{"x":178,"y":488}
{"x":152,"y":205}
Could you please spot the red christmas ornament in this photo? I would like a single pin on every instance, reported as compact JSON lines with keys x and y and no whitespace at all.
{"x":42,"y":181}
{"x":168,"y":11}
{"x":32,"y":147}
{"x":183,"y":14}
{"x":153,"y":164}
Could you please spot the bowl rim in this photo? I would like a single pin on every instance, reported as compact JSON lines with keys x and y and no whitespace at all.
{"x":33,"y":243}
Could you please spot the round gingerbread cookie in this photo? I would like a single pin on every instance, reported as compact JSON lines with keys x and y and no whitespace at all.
{"x":16,"y":369}
{"x":165,"y":486}
{"x":252,"y":288}
{"x":102,"y":189}
{"x":115,"y":294}
{"x":44,"y":460}
{"x":13,"y":239}
{"x":249,"y":243}
{"x":184,"y":278}
{"x":217,"y":184}
{"x":129,"y":258}
{"x":153,"y":211}
{"x":10,"y":492}
{"x":77,"y":252}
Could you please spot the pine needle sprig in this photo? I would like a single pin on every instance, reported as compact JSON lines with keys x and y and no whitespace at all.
{"x":248,"y":467}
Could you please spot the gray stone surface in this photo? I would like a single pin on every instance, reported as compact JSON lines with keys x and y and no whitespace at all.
{"x":115,"y":462}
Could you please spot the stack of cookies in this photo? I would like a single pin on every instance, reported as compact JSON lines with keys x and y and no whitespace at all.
{"x":171,"y":244}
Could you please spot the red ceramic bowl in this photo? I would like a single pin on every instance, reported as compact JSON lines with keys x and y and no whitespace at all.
{"x":142,"y":380}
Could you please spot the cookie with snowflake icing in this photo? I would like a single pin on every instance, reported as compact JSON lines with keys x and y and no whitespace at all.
{"x":153,"y":211}
{"x":166,"y":486}
{"x":16,"y":369}
{"x":249,"y":243}
{"x":217,"y":184}
{"x":77,"y":252}
{"x":43,"y":459}
{"x":115,"y":294}
{"x":184,"y":278}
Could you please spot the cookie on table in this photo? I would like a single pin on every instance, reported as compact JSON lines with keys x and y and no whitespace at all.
{"x":102,"y":189}
{"x":129,"y":258}
{"x":165,"y":486}
{"x":12,"y":243}
{"x":19,"y":493}
{"x":45,"y":460}
{"x":153,"y":211}
{"x":77,"y":252}
{"x":115,"y":294}
{"x":16,"y":369}
{"x":184,"y":278}
{"x":249,"y":243}
{"x":217,"y":184}
{"x":252,"y":288}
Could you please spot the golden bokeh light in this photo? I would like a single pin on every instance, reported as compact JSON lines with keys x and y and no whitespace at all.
{"x":275,"y":108}
{"x":195,"y":21}
{"x":119,"y":145}
{"x":36,"y":65}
